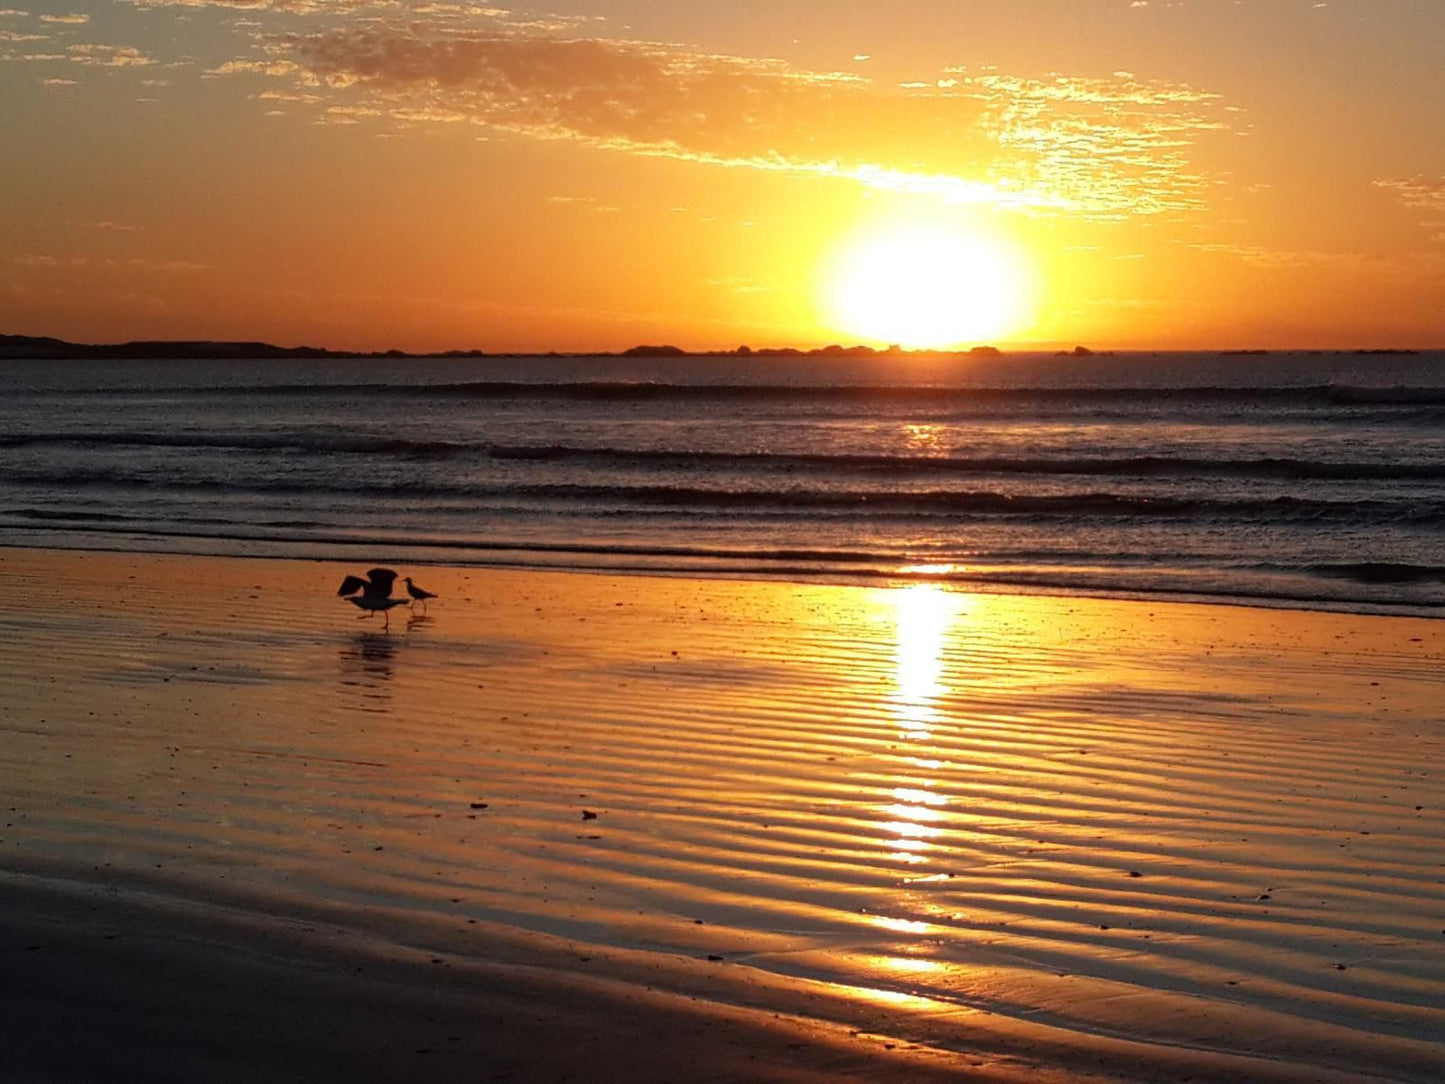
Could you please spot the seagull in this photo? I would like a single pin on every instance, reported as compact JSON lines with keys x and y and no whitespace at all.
{"x":421,"y":594}
{"x":375,"y":591}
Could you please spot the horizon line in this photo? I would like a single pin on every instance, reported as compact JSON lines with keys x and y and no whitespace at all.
{"x":44,"y":347}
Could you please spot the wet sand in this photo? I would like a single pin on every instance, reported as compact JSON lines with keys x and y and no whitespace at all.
{"x":834,"y":832}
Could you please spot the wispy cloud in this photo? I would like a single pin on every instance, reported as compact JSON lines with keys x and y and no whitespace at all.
{"x":434,"y":13}
{"x":1105,"y":147}
{"x":129,"y":263}
{"x":1115,"y":145}
{"x":1261,"y":256}
{"x":260,"y":67}
{"x":108,"y":56}
{"x":292,"y":7}
{"x":1417,"y":264}
{"x":1423,"y":194}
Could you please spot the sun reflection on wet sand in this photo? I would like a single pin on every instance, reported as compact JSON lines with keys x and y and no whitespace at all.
{"x":1069,"y":816}
{"x":922,"y":614}
{"x":922,"y":618}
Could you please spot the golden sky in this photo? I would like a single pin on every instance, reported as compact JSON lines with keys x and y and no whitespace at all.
{"x":597,"y":173}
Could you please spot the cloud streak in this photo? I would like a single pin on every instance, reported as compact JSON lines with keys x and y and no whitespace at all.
{"x":108,"y":56}
{"x":1106,"y":147}
{"x":1423,"y":194}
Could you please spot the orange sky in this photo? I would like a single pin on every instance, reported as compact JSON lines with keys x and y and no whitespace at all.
{"x":598,"y":173}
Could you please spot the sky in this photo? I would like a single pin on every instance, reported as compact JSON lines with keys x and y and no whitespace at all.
{"x":593,"y":174}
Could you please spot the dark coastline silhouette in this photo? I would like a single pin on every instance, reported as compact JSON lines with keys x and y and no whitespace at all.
{"x":40,"y":348}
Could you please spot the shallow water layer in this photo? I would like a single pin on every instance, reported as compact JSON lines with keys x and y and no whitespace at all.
{"x":1314,"y":480}
{"x":1183,"y":826}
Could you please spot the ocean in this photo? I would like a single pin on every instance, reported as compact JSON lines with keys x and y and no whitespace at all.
{"x":1314,"y":480}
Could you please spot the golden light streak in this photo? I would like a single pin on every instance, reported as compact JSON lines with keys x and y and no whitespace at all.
{"x":922,"y":615}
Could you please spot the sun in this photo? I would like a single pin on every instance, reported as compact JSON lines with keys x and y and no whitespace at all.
{"x":925,"y":288}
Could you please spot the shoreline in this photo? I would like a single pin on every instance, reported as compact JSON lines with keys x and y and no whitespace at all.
{"x":834,"y":832}
{"x":352,"y":551}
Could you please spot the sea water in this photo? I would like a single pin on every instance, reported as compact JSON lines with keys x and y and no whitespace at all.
{"x":1293,"y":479}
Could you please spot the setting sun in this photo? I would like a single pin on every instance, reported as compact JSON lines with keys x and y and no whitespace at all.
{"x":923,"y":288}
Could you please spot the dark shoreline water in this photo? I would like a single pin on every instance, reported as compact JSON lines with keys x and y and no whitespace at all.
{"x":1312,"y":481}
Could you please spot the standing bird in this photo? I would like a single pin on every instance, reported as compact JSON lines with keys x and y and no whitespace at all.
{"x":420,"y":594}
{"x":375,"y":591}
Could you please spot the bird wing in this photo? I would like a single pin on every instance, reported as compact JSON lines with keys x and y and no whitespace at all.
{"x":381,"y":581}
{"x":351,"y":585}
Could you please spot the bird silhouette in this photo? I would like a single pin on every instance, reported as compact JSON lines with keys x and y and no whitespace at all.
{"x":420,"y":594}
{"x":375,"y":592}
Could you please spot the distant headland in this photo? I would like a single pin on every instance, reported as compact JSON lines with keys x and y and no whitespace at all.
{"x":32,"y":347}
{"x":45,"y":347}
{"x":36,"y":347}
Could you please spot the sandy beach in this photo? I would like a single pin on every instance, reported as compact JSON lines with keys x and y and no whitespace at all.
{"x":603,"y":827}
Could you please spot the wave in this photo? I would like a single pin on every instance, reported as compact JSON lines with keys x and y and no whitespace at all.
{"x":1282,"y":468}
{"x":1380,"y":572}
{"x":859,"y":503}
{"x":1315,"y":395}
{"x":914,"y":465}
{"x":1106,"y":574}
{"x":256,"y":442}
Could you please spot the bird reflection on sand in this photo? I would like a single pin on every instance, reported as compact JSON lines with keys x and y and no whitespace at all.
{"x":367,"y":669}
{"x":368,"y":662}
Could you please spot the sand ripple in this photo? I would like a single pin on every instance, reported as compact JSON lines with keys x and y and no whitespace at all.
{"x":1203,"y":828}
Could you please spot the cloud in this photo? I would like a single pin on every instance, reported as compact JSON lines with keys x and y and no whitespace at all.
{"x":1418,"y":193}
{"x":1415,"y":265}
{"x":131,"y":263}
{"x":68,"y":20}
{"x":1103,"y":147}
{"x":1116,"y":145}
{"x":435,"y":13}
{"x":1268,"y":257}
{"x":293,"y":7}
{"x":1425,"y":195}
{"x":288,"y":96}
{"x":259,"y":67}
{"x":108,"y":56}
